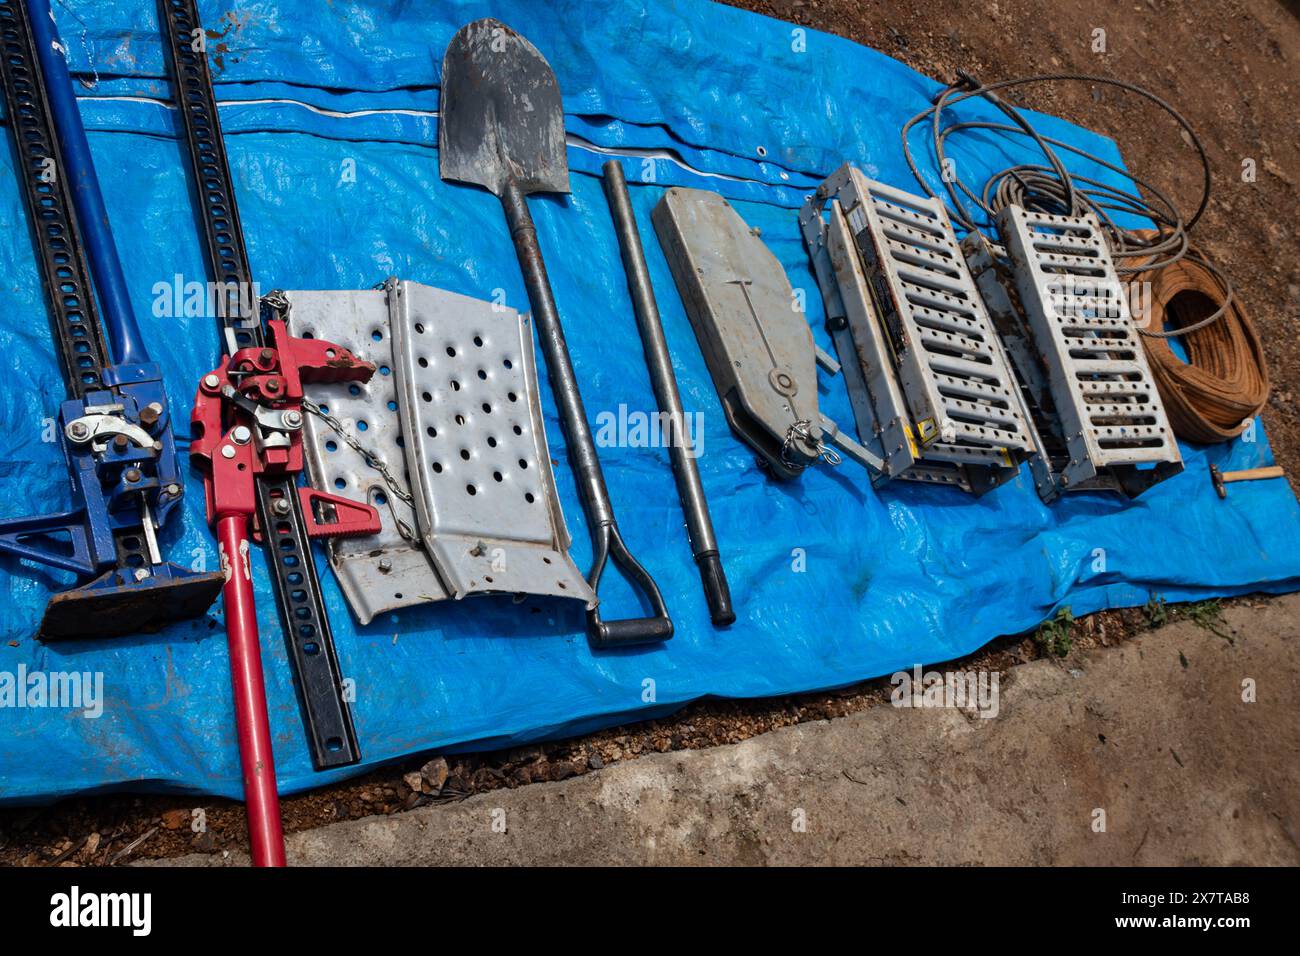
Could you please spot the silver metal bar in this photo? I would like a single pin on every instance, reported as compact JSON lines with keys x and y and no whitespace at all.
{"x":699,"y":526}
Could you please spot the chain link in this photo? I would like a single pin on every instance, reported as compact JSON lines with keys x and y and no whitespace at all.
{"x":371,"y":459}
{"x":278,"y":302}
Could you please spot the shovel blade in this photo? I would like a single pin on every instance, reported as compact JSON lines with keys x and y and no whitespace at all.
{"x":501,"y":119}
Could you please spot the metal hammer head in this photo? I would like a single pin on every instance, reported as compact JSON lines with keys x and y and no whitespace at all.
{"x":1216,"y":476}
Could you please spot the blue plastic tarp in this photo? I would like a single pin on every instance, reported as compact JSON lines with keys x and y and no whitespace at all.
{"x":330,"y":115}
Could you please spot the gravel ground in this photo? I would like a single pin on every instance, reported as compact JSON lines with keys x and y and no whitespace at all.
{"x":1229,"y":66}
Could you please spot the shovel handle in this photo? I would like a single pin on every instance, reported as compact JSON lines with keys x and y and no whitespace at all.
{"x":634,"y":631}
{"x":559,"y":367}
{"x":607,"y":541}
{"x":631,"y":631}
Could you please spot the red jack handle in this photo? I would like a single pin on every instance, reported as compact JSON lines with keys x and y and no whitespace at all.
{"x":227,"y":453}
{"x":261,"y":798}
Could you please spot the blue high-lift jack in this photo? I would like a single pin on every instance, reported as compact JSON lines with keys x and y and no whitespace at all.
{"x":115,"y":427}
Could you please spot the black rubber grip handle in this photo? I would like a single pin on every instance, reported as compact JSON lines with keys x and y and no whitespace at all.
{"x":716,"y":591}
{"x":631,"y":632}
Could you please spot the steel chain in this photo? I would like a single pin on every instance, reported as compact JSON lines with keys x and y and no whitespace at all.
{"x":372,"y":460}
{"x":278,"y":302}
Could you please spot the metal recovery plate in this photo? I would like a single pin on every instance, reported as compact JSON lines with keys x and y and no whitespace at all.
{"x":756,"y":342}
{"x":480,"y":469}
{"x":1111,"y":416}
{"x":901,"y":303}
{"x":389,"y":570}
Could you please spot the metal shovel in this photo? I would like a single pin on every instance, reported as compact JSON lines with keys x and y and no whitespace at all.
{"x":501,"y":126}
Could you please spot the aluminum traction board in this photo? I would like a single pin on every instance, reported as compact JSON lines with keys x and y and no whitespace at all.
{"x":480,"y":468}
{"x":940,"y":396}
{"x":1109,"y":410}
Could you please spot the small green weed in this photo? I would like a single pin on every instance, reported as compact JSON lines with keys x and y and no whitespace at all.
{"x":1054,"y":635}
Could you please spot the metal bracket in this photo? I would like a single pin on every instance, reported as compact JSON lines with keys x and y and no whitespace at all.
{"x":759,"y":350}
{"x":98,"y":428}
{"x":929,"y":379}
{"x":1088,"y":385}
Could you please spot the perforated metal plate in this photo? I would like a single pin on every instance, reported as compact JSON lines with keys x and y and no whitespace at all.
{"x":485,"y":494}
{"x":392,"y":569}
{"x":1100,"y":381}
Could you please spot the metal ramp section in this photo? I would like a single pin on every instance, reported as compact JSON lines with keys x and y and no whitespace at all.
{"x":930,"y":381}
{"x":480,"y":469}
{"x":389,"y":570}
{"x":1109,"y":430}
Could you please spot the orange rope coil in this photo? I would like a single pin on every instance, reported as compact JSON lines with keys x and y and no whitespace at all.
{"x":1224,"y":385}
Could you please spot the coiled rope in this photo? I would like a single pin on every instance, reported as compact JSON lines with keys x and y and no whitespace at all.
{"x":1213,"y":396}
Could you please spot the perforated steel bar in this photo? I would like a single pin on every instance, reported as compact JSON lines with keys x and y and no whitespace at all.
{"x":218,"y":209}
{"x":330,"y":731}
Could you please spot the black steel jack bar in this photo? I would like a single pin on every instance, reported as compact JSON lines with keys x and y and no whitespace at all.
{"x":328,"y":716}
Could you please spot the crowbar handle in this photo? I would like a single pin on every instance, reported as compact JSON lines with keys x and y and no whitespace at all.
{"x":261,"y":798}
{"x":110,"y":283}
{"x":699,"y":526}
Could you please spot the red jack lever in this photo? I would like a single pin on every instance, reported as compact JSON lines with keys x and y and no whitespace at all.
{"x":247,"y":420}
{"x":265,"y":834}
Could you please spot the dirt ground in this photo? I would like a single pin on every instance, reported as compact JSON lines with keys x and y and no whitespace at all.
{"x":1122,"y":755}
{"x":1230,"y":66}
